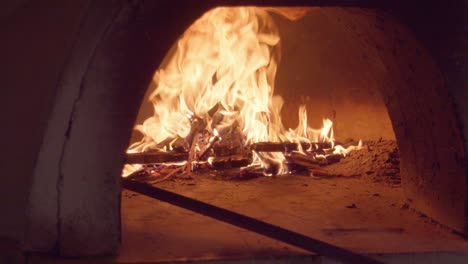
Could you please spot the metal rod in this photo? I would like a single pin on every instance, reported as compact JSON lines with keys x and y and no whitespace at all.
{"x":249,"y":223}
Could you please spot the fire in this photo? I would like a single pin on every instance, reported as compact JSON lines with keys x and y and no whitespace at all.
{"x":220,"y":82}
{"x":130,"y":168}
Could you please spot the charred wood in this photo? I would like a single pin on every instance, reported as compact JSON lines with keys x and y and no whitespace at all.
{"x":155,"y":157}
{"x":235,"y":161}
{"x":175,"y":144}
{"x":320,"y":145}
{"x":221,"y":150}
{"x":208,"y":148}
{"x":288,"y":146}
{"x":273,"y":147}
{"x":169,"y":175}
{"x":197,"y":127}
{"x":298,"y":159}
{"x":232,"y":142}
{"x":251,"y":172}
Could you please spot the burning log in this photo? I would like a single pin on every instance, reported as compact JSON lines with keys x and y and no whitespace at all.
{"x":155,"y":157}
{"x":220,"y":151}
{"x":210,"y":145}
{"x":274,"y":147}
{"x":197,"y":127}
{"x":191,"y":154}
{"x":169,"y":175}
{"x":298,"y":159}
{"x":232,"y":141}
{"x":235,"y":161}
{"x":288,"y":146}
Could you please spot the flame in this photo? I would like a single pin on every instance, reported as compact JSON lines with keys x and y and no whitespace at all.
{"x":345,"y":151}
{"x":130,"y":168}
{"x":223,"y":72}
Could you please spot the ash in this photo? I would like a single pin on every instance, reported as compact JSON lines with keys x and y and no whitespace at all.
{"x":378,"y":160}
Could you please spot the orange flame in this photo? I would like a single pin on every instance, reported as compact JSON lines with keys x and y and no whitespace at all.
{"x":225,"y":63}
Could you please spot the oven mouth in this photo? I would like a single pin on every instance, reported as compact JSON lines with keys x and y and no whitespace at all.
{"x":179,"y":165}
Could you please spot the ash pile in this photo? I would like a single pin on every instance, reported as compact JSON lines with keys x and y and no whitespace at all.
{"x":379,"y":160}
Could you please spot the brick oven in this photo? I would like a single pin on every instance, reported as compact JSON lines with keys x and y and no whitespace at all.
{"x":372,"y":68}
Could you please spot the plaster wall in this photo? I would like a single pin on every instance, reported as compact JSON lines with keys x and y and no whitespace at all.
{"x":36,"y":41}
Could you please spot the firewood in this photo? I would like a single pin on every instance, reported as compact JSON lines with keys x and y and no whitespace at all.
{"x":146,"y":173}
{"x":221,"y":150}
{"x":288,"y":146}
{"x":320,"y":145}
{"x":251,"y":172}
{"x":234,"y":161}
{"x":155,"y":157}
{"x":191,"y":155}
{"x":169,"y":175}
{"x":302,"y":160}
{"x":210,"y":145}
{"x":273,"y":146}
{"x":197,"y":127}
{"x":232,"y":142}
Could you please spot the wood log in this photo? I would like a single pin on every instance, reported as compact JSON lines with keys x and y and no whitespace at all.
{"x":189,"y":167}
{"x":273,"y":146}
{"x":220,"y":150}
{"x":197,"y":127}
{"x":298,"y":159}
{"x":155,"y":157}
{"x":251,"y":172}
{"x":321,"y":145}
{"x":249,"y":223}
{"x":235,"y":161}
{"x":287,"y":146}
{"x":210,"y":145}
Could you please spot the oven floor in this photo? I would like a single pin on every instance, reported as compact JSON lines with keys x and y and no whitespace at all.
{"x":354,"y":213}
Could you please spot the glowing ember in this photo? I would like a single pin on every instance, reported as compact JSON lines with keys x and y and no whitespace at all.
{"x":217,"y":89}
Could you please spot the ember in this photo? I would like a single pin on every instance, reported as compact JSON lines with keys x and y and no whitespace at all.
{"x":215,"y":108}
